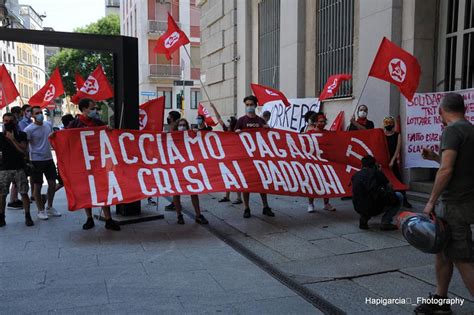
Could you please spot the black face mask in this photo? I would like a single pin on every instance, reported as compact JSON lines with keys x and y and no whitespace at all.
{"x":9,"y":126}
{"x":389,"y":128}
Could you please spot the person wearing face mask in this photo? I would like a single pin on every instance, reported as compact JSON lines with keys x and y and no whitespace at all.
{"x":26,"y":117}
{"x":394,"y":142}
{"x":90,"y":118}
{"x":171,"y":120}
{"x":13,"y":143}
{"x":249,"y":121}
{"x":42,"y":160}
{"x":201,"y":123}
{"x":183,"y":125}
{"x":317,"y":123}
{"x":361,"y":123}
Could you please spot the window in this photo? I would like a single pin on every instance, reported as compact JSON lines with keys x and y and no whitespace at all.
{"x":467,"y":77}
{"x":9,"y":58}
{"x":14,"y":78}
{"x":4,"y":56}
{"x":335,"y":28}
{"x":161,"y":10}
{"x":168,"y":94}
{"x":195,"y":56}
{"x":269,"y":43}
{"x":451,"y":43}
{"x":196,"y":97}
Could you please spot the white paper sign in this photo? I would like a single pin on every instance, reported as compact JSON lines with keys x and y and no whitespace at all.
{"x":290,"y":118}
{"x":423,"y":125}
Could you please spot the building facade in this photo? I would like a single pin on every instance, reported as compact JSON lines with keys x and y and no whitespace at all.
{"x":112,"y":7}
{"x":147,"y":20}
{"x":295,"y":45}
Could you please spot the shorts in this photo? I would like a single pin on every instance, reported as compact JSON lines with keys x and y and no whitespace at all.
{"x":459,"y":217}
{"x":46,"y":168}
{"x":13,"y":176}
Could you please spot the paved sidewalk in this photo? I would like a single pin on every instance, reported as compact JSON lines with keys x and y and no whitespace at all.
{"x":156,"y":267}
{"x":327,"y":253}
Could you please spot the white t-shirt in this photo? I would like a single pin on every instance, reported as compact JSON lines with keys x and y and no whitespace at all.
{"x":38,"y":142}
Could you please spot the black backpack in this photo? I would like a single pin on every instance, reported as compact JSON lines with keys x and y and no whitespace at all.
{"x":369,"y":195}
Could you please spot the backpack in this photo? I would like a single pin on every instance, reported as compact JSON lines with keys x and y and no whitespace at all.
{"x":369,"y":195}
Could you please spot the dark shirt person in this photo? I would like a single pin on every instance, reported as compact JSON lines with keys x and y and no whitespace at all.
{"x":249,"y":121}
{"x":172,"y":119}
{"x":201,"y":123}
{"x":361,"y":123}
{"x":13,"y":143}
{"x":90,"y":118}
{"x":454,"y":184}
{"x":372,"y":195}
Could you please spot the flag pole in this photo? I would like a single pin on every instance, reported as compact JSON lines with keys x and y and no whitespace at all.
{"x":192,"y":64}
{"x":358,"y":100}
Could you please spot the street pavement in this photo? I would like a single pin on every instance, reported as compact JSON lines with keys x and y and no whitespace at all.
{"x":161,"y":267}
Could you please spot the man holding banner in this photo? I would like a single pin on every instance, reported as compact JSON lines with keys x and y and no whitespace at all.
{"x":90,"y":118}
{"x":251,"y":120}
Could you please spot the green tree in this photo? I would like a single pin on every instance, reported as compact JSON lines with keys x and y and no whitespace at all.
{"x":84,"y":62}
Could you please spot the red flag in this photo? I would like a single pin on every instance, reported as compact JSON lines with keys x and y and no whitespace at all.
{"x":96,"y":87}
{"x":208,"y":118}
{"x":332,"y":85}
{"x":171,"y":40}
{"x":338,"y":123}
{"x":52,"y":89}
{"x":79,"y":83}
{"x":8,"y":91}
{"x":151,"y":114}
{"x":266,"y":94}
{"x":395,"y":65}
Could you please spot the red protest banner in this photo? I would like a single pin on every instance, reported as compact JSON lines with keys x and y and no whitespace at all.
{"x":106,"y":167}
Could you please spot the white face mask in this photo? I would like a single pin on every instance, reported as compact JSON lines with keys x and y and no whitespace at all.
{"x":362,"y":114}
{"x":181,"y":128}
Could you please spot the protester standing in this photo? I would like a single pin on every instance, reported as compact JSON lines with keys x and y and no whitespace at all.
{"x":26,"y":120}
{"x":90,"y":118}
{"x":14,"y":202}
{"x":42,"y":159}
{"x":361,"y":123}
{"x":183,"y":125}
{"x":317,"y":123}
{"x":250,"y":121}
{"x":201,"y":123}
{"x":232,"y":122}
{"x":454,"y":184}
{"x":172,"y":119}
{"x":13,"y":143}
{"x":394,"y":142}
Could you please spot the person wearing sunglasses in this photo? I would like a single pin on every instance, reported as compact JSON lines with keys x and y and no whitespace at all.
{"x":183,"y":125}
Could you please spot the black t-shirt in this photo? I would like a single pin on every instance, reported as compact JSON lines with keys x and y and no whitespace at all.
{"x":12,"y":159}
{"x":362,"y":191}
{"x":392,"y":142}
{"x":207,"y":128}
{"x":246,"y":122}
{"x":368,"y":125}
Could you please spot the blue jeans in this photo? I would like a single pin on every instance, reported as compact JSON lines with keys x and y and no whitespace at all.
{"x":391,"y":211}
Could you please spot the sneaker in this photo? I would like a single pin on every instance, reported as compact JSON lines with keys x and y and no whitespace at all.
{"x":17,"y":204}
{"x":433,"y":308}
{"x":237,"y":202}
{"x":329,"y":207}
{"x":363,"y":223}
{"x":311,"y":208}
{"x":89,"y":224}
{"x":28,"y":221}
{"x":180,"y":219}
{"x":201,"y":220}
{"x":225,"y":199}
{"x":170,"y":207}
{"x":388,"y":227}
{"x":268,"y":212}
{"x":247,"y":213}
{"x":42,"y":215}
{"x":2,"y":220}
{"x":112,"y":225}
{"x":53,"y":212}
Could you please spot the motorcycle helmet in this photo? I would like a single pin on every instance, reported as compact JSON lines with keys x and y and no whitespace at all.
{"x":426,"y":233}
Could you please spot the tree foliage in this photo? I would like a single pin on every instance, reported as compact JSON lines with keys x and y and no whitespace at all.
{"x":84,"y":62}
